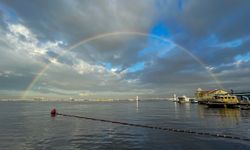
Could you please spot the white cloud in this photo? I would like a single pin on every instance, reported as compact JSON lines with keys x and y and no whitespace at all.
{"x":238,"y":63}
{"x":20,"y":30}
{"x":54,"y":61}
{"x":82,"y":67}
{"x":23,"y":41}
{"x":210,"y":68}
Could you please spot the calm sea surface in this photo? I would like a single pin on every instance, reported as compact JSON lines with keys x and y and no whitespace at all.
{"x":28,"y":125}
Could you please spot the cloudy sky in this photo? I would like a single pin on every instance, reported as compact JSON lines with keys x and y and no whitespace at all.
{"x":122,"y":48}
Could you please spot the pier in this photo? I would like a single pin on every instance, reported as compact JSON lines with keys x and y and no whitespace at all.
{"x":243,"y":97}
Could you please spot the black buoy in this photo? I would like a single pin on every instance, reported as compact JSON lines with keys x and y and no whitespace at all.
{"x":53,"y":112}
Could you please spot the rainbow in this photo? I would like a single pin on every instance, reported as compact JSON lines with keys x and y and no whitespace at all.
{"x":105,"y":35}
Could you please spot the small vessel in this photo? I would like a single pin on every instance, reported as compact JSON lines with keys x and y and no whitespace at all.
{"x":192,"y":100}
{"x":183,"y":99}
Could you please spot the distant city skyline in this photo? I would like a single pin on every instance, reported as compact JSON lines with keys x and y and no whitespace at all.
{"x":121,"y":49}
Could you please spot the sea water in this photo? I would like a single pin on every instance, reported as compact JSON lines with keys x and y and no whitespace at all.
{"x":28,"y":125}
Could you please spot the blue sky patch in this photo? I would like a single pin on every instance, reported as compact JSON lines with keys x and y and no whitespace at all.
{"x":160,"y":29}
{"x":136,"y":67}
{"x":245,"y":57}
{"x":156,"y":45}
{"x":106,"y":65}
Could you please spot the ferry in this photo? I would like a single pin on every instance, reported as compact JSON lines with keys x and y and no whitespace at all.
{"x":224,"y":101}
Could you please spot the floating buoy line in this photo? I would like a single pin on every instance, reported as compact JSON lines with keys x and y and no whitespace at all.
{"x":54,"y":113}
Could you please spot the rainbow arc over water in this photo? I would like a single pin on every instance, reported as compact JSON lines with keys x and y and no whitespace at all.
{"x":121,"y":33}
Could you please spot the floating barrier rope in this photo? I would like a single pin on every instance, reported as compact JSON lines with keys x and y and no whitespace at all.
{"x":54,"y":113}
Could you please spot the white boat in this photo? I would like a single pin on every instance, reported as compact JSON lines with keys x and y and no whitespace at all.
{"x":183,"y":99}
{"x":192,"y":100}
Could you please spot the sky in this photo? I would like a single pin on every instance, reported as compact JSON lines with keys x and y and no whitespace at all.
{"x":122,"y":48}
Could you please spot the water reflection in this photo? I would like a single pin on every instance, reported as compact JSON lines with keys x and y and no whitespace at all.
{"x":183,"y":109}
{"x":232,"y":115}
{"x":182,"y":106}
{"x":227,"y":115}
{"x":137,"y":106}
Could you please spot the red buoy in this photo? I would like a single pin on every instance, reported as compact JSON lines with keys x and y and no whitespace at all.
{"x":53,"y":112}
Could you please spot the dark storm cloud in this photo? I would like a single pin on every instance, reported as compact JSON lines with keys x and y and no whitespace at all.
{"x":175,"y":68}
{"x":203,"y":17}
{"x":75,"y":20}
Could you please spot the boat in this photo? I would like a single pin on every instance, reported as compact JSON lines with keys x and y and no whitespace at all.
{"x":183,"y":99}
{"x":192,"y":100}
{"x":223,"y":101}
{"x":203,"y":96}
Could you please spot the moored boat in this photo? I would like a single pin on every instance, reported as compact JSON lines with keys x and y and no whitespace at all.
{"x":192,"y":100}
{"x":224,"y":101}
